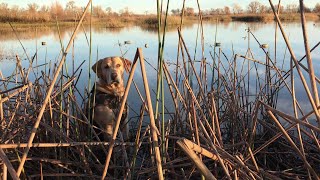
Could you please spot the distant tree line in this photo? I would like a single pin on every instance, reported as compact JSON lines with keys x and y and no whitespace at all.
{"x":254,"y":7}
{"x":33,"y":12}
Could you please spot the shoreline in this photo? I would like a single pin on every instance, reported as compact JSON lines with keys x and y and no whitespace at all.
{"x":151,"y":20}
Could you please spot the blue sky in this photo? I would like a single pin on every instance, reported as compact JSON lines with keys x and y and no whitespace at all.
{"x":140,"y":6}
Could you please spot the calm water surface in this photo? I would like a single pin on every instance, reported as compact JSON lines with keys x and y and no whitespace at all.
{"x":110,"y":42}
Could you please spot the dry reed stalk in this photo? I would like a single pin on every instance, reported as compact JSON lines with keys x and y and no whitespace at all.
{"x":278,"y":73}
{"x":253,"y":159}
{"x":311,"y":99}
{"x":60,"y":134}
{"x":276,"y":33}
{"x":177,"y":63}
{"x":311,"y":136}
{"x":196,"y":160}
{"x":242,"y":163}
{"x":70,"y":144}
{"x":286,"y":75}
{"x":11,"y":89}
{"x":259,"y":62}
{"x":138,"y":141}
{"x":118,"y":120}
{"x":36,"y":125}
{"x":60,"y":175}
{"x":24,"y":50}
{"x":23,"y":88}
{"x":64,"y":87}
{"x":191,"y":63}
{"x":19,"y":66}
{"x":172,"y":82}
{"x":87,"y":120}
{"x":196,"y":129}
{"x":205,"y":131}
{"x":197,"y":148}
{"x":296,"y":113}
{"x":177,"y":90}
{"x":271,"y":140}
{"x":230,"y":107}
{"x":215,"y":139}
{"x":236,"y":161}
{"x":152,"y":121}
{"x":166,"y":165}
{"x":2,"y":121}
{"x":4,"y":172}
{"x":254,"y":123}
{"x":8,"y":165}
{"x":41,"y":172}
{"x":215,"y":119}
{"x":309,"y":60}
{"x":286,"y":116}
{"x":76,"y":144}
{"x":308,"y":166}
{"x":174,"y":97}
{"x":178,"y":94}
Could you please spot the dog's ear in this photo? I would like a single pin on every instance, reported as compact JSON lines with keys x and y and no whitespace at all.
{"x":97,"y":68}
{"x":127,"y":64}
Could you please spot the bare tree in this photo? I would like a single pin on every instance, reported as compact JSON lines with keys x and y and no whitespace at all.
{"x":98,"y":12}
{"x":317,"y":8}
{"x":4,"y":6}
{"x":70,"y":9}
{"x":33,"y":11}
{"x":281,"y":8}
{"x":254,"y":6}
{"x":32,"y":8}
{"x":189,"y":11}
{"x":236,"y":8}
{"x":4,"y":10}
{"x":125,"y":12}
{"x":44,"y":13}
{"x":291,"y":8}
{"x":56,"y":10}
{"x":264,"y":9}
{"x":175,"y":12}
{"x":44,"y":8}
{"x":70,"y":5}
{"x":216,"y":11}
{"x":306,"y":9}
{"x":109,"y":10}
{"x":15,"y":11}
{"x":226,"y":10}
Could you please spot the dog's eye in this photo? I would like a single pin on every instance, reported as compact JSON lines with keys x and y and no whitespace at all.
{"x":107,"y":67}
{"x":118,"y":65}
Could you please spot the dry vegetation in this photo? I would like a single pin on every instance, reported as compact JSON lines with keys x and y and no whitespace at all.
{"x":270,"y":17}
{"x":220,"y":130}
{"x":255,"y":11}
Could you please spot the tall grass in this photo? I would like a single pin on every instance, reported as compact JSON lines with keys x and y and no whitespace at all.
{"x":270,"y":17}
{"x":231,"y":129}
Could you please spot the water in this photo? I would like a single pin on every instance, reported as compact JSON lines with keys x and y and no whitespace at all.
{"x":110,"y":42}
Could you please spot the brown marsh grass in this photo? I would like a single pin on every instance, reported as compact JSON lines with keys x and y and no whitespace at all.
{"x":219,"y":130}
{"x":270,"y":17}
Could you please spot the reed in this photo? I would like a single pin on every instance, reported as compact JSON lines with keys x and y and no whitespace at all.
{"x":230,"y":128}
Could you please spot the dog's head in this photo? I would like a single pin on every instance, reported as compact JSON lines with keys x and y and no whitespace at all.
{"x":110,"y":70}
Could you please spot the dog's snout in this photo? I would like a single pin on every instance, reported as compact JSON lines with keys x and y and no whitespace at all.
{"x":114,"y":76}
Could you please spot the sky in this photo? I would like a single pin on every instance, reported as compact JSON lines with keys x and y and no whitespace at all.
{"x":150,"y":6}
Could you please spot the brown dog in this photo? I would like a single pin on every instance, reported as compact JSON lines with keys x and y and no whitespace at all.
{"x":108,"y":92}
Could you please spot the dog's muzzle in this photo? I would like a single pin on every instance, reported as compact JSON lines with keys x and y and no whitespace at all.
{"x":115,"y":78}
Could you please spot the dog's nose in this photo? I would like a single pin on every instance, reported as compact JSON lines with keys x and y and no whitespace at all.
{"x":114,"y":76}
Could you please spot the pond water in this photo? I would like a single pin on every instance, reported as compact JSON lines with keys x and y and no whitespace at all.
{"x":110,"y":42}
